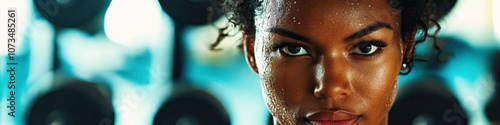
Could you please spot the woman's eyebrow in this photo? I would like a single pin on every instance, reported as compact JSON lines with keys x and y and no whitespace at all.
{"x":286,"y":33}
{"x":367,"y":30}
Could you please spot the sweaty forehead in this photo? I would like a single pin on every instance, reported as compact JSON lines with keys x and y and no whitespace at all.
{"x":298,"y":15}
{"x":326,"y":8}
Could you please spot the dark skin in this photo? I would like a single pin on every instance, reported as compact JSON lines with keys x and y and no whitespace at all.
{"x":328,"y":62}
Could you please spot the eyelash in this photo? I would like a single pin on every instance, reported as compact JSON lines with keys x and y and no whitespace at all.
{"x":283,"y":44}
{"x":377,"y":43}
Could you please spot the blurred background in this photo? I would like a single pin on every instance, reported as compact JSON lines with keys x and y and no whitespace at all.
{"x":141,"y":62}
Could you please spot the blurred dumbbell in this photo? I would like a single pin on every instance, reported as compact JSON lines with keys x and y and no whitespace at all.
{"x":72,"y":102}
{"x":82,"y":14}
{"x":193,"y":12}
{"x":188,"y":12}
{"x":427,"y":102}
{"x":190,"y":106}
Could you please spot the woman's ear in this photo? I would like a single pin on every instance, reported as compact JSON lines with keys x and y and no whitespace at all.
{"x":409,"y":43}
{"x":248,"y":48}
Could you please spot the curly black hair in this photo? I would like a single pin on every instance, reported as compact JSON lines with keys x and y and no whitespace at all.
{"x":417,"y":15}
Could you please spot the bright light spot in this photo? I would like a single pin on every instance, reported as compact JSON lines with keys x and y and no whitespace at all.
{"x":133,"y":22}
{"x":469,"y":20}
{"x":23,"y":25}
{"x":496,"y":19}
{"x":89,"y":55}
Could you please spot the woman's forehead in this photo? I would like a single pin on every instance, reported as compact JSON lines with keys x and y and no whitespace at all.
{"x":317,"y":16}
{"x":326,"y":9}
{"x":339,"y":4}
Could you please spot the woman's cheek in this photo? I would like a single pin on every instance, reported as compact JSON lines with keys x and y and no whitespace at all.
{"x":284,"y":83}
{"x":270,"y":88}
{"x":377,"y":82}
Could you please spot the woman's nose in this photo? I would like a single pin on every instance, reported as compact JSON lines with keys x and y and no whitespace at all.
{"x":332,"y":78}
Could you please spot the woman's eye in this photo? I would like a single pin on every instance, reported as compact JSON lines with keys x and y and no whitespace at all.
{"x":367,"y":48}
{"x":294,"y":50}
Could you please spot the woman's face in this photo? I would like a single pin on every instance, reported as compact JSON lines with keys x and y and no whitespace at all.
{"x":327,"y":61}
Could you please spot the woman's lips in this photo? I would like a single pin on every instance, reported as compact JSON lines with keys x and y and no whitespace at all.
{"x":339,"y":117}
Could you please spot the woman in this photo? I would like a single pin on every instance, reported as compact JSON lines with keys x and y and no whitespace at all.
{"x":332,"y":62}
